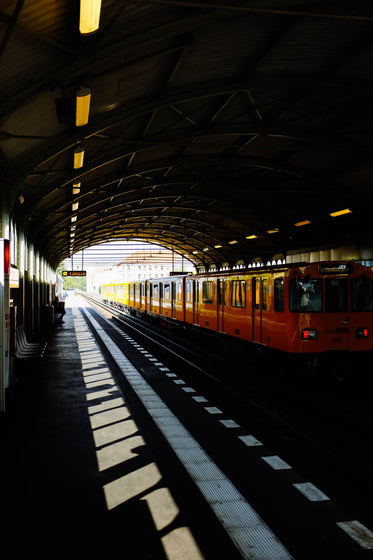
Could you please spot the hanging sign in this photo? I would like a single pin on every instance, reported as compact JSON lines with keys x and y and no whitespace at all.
{"x":74,"y":273}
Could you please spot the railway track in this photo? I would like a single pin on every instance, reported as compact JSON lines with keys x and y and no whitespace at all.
{"x":315,"y":424}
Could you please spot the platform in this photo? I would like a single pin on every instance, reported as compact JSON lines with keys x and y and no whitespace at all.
{"x":96,"y":459}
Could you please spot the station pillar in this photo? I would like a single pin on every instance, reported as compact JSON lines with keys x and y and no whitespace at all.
{"x":4,"y":319}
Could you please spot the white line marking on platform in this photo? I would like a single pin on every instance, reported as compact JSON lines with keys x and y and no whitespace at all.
{"x":311,"y":492}
{"x":200,"y":399}
{"x":213,"y":410}
{"x":250,"y":441}
{"x":358,"y":532}
{"x":250,"y":534}
{"x":229,"y":423}
{"x":276,"y":463}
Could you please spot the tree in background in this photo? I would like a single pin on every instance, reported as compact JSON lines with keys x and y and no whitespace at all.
{"x":72,"y":282}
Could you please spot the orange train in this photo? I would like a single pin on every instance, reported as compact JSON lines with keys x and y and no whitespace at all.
{"x":297,"y":308}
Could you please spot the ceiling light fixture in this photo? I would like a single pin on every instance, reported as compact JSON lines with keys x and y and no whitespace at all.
{"x":78,"y":157}
{"x":218,"y":246}
{"x":233,"y":242}
{"x":75,"y":206}
{"x":304,"y":223}
{"x":89,"y":16}
{"x":251,"y":236}
{"x":340,"y":212}
{"x":76,"y":188}
{"x":73,"y":219}
{"x":83,"y":102}
{"x":274,"y":230}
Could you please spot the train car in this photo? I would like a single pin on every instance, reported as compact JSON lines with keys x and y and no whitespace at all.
{"x":298,"y":308}
{"x":116,"y":294}
{"x":171,"y":297}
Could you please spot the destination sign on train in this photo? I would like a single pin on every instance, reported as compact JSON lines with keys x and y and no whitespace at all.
{"x":341,"y":268}
{"x":74,"y":273}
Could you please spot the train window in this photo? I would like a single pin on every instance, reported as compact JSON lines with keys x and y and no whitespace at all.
{"x":264,"y":294}
{"x":188,"y":291}
{"x":256,"y":291}
{"x":155,"y":290}
{"x":207,"y":291}
{"x":238,"y":293}
{"x":279,"y":294}
{"x":222,"y":292}
{"x":362,"y":294}
{"x":336,"y":295}
{"x":179,"y":290}
{"x":132,"y":289}
{"x":305,"y":295}
{"x":166,"y":291}
{"x":137,"y":290}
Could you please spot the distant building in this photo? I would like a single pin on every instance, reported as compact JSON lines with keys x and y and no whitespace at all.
{"x":140,"y":265}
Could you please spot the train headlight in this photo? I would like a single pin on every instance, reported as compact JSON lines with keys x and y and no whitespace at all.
{"x":309,"y":334}
{"x":362,"y":332}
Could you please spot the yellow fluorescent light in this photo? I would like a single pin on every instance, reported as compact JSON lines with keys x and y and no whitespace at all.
{"x":76,"y":188}
{"x":89,"y":16}
{"x":74,"y":218}
{"x":304,"y":223}
{"x":218,"y":246}
{"x":75,"y":206}
{"x":78,"y":158}
{"x":275,"y":230}
{"x":83,"y":101}
{"x":233,"y":242}
{"x":251,"y":236}
{"x":341,"y":212}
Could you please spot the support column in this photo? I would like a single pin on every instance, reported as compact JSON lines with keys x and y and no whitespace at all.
{"x":4,"y":299}
{"x":4,"y":319}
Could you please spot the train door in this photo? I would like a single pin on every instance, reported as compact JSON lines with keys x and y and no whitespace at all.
{"x":221,"y":304}
{"x":257,"y":308}
{"x":337,"y":319}
{"x":173,"y":300}
{"x":195,"y":301}
{"x":160,"y":301}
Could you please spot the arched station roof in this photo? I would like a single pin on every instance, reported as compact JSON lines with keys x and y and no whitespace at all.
{"x":214,"y":126}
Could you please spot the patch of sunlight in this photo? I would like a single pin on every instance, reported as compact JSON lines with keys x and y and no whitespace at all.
{"x":105,"y":405}
{"x":109,"y":417}
{"x":130,"y":485}
{"x":104,"y":381}
{"x":114,"y":432}
{"x":179,"y":544}
{"x":94,"y":376}
{"x":102,"y":394}
{"x":118,"y":452}
{"x":162,"y":507}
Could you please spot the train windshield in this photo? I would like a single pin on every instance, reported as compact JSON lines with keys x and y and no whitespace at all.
{"x":306,"y":295}
{"x":362,"y":294}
